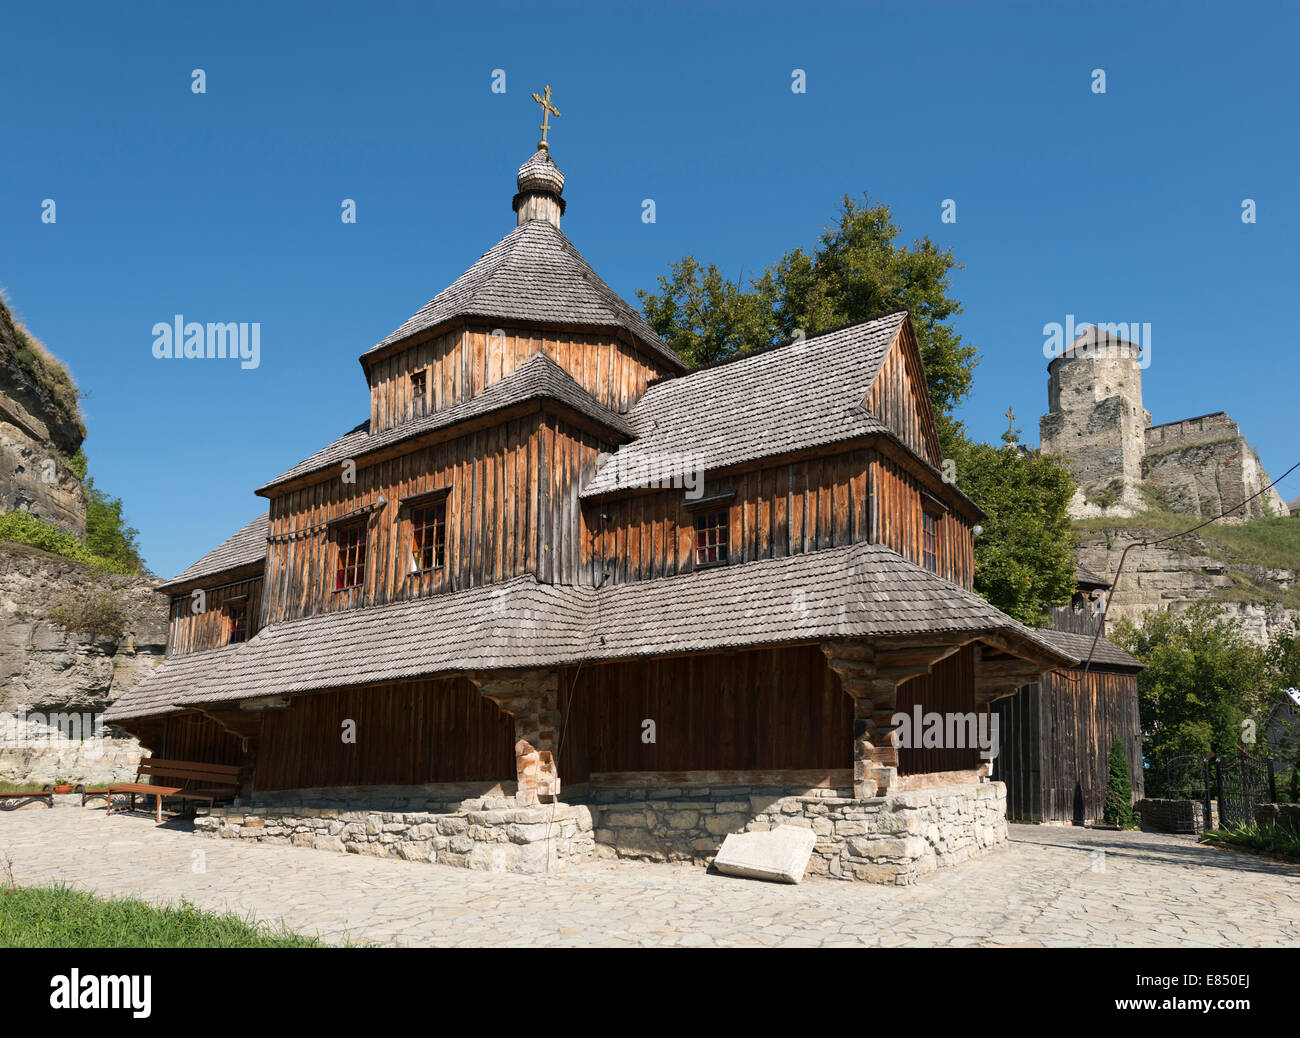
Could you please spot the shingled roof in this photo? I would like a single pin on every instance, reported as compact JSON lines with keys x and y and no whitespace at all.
{"x":1086,"y":578}
{"x":1080,"y":645}
{"x":534,"y":273}
{"x":538,"y":378}
{"x":805,"y":394}
{"x":859,"y":591}
{"x":241,"y":549}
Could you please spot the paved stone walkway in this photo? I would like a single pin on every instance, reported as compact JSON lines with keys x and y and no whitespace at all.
{"x":1049,"y":887}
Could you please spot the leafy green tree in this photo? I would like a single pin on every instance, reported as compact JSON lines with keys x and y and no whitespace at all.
{"x":1119,"y":789}
{"x":107,"y":533}
{"x":1203,"y":678}
{"x":1024,"y":561}
{"x":856,"y":272}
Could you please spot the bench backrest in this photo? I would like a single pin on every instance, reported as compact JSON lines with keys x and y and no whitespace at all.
{"x":190,"y":772}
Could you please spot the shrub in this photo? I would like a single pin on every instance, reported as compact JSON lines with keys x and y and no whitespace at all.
{"x":99,"y":614}
{"x":1119,"y":790}
{"x":26,"y":528}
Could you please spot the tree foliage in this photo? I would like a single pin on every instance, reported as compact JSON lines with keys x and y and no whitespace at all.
{"x":855,"y":272}
{"x":107,"y":534}
{"x":1024,"y":562}
{"x":1203,"y":679}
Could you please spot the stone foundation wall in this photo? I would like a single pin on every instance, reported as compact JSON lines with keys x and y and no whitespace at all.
{"x":1175,"y":816}
{"x":1280,"y":815}
{"x":892,"y":839}
{"x":492,"y":834}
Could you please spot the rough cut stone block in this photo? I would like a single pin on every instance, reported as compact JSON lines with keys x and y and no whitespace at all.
{"x":779,"y":854}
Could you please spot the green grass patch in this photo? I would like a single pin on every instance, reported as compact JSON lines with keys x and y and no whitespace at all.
{"x":59,"y":917}
{"x":1278,"y":841}
{"x":20,"y":787}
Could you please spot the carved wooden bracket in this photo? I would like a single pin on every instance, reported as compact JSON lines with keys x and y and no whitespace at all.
{"x":871,"y":672}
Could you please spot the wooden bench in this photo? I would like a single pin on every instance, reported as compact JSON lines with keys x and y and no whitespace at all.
{"x":198,"y":781}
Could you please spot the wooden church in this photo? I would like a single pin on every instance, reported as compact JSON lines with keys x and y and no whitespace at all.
{"x":555,"y":571}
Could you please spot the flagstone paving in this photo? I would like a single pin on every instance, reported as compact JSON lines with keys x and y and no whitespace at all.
{"x":1048,"y":887}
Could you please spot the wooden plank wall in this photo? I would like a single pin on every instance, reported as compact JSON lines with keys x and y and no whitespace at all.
{"x":189,"y":632}
{"x":492,"y":527}
{"x":777,"y":511}
{"x":761,"y":709}
{"x":193,"y":737}
{"x":896,"y":511}
{"x":462,"y":363}
{"x":895,"y":396}
{"x":948,"y":688}
{"x":1057,"y":737}
{"x":438,"y":730}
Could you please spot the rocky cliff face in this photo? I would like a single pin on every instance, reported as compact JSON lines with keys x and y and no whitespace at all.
{"x":71,"y":640}
{"x":1192,"y":569}
{"x":38,"y":433}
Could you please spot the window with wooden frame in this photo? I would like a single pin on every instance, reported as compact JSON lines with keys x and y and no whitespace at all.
{"x":350,"y":556}
{"x":930,"y":540}
{"x":712,"y":530}
{"x":428,"y":535}
{"x":237,"y":621}
{"x":419,"y":384}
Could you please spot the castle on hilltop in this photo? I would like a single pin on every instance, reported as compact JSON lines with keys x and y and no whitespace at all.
{"x":1123,"y":464}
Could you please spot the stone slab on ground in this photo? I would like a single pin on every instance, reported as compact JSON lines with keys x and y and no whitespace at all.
{"x":779,"y":854}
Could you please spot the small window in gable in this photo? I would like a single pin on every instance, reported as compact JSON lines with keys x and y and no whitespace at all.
{"x":350,"y":565}
{"x":711,"y":533}
{"x":419,"y":383}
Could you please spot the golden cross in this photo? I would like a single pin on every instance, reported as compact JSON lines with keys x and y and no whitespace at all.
{"x":1010,"y":416}
{"x":548,"y":110}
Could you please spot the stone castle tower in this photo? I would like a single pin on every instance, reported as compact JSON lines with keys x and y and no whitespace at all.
{"x":1123,"y":464}
{"x":1096,"y":420}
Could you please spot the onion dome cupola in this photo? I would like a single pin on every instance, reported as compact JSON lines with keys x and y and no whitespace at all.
{"x":540,"y":182}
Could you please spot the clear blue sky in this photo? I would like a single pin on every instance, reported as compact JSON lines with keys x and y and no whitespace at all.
{"x":225,"y":206}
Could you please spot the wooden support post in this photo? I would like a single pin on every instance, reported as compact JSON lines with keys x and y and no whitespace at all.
{"x":875,"y":757}
{"x":532,"y":699}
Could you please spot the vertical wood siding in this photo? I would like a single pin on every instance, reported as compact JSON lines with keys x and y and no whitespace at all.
{"x":440,"y":730}
{"x":491,"y":477}
{"x":193,"y":737}
{"x":1056,"y":740}
{"x":782,"y":510}
{"x":948,"y":689}
{"x":896,"y":521}
{"x":895,"y":398}
{"x":761,"y":709}
{"x":190,"y":632}
{"x":463,"y":362}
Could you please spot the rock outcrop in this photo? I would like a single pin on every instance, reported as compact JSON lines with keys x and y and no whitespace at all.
{"x":71,"y":640}
{"x":38,"y":433}
{"x":1178,"y":574}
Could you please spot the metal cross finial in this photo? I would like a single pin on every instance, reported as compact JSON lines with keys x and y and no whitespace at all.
{"x":1010,"y":416}
{"x":548,"y":110}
